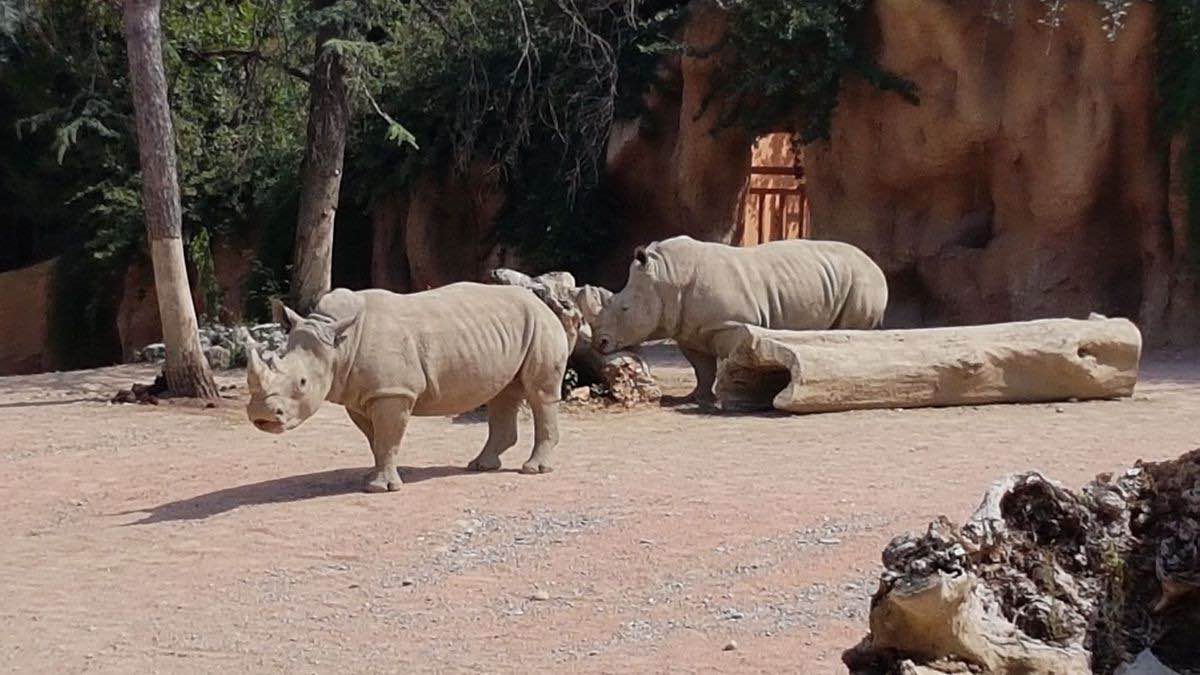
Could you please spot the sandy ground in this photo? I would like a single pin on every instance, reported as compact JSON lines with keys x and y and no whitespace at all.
{"x":178,"y":539}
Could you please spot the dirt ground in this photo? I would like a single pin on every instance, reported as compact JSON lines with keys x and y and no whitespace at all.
{"x":178,"y":539}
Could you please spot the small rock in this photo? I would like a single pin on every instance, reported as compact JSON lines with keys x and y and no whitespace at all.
{"x":829,"y":541}
{"x":407,"y":582}
{"x":219,"y":358}
{"x":1058,"y":409}
{"x":540,"y":595}
{"x":730,"y":646}
{"x":580,"y":394}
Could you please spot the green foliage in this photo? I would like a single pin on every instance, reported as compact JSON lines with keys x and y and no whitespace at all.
{"x":789,"y":61}
{"x":68,"y":157}
{"x":529,"y":91}
{"x":199,"y":253}
{"x":1179,"y":92}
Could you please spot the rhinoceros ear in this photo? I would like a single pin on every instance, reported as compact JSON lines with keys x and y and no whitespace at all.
{"x":640,"y":257}
{"x":340,"y":327}
{"x":284,"y":316}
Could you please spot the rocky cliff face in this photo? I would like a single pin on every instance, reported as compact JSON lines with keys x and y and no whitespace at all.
{"x":437,"y":233}
{"x":1029,"y":182}
{"x":25,"y":319}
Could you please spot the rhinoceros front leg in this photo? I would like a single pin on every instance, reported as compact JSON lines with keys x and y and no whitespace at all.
{"x":502,"y":428}
{"x":705,"y":368}
{"x":389,"y":419}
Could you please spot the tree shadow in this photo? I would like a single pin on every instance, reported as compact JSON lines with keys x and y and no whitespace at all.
{"x":42,"y":404}
{"x":280,"y":490}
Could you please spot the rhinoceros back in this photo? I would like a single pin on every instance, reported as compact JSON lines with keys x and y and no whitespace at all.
{"x":453,"y":348}
{"x":786,"y":285}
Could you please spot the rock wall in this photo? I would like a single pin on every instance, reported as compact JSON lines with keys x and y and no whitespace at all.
{"x":25,"y":319}
{"x":1028,"y":183}
{"x":137,"y":320}
{"x":437,"y":233}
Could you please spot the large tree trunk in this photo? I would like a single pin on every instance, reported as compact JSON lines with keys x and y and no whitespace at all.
{"x":186,"y":370}
{"x":321,"y":174}
{"x":1022,"y":362}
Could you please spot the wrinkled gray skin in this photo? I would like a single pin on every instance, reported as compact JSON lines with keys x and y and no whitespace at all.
{"x":386,"y":356}
{"x":696,"y":292}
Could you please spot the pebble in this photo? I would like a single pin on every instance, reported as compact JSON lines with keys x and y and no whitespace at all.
{"x":829,"y":541}
{"x":1058,"y":408}
{"x":540,"y":595}
{"x":730,"y":646}
{"x":407,"y":582}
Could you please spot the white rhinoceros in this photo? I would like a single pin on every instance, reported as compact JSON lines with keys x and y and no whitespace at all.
{"x":696,"y":292}
{"x":386,"y":356}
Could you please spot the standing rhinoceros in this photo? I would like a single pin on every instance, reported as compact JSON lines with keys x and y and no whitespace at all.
{"x":694,"y":292}
{"x":386,"y":356}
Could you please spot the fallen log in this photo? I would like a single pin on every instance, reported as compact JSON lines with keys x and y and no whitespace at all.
{"x":1022,"y":362}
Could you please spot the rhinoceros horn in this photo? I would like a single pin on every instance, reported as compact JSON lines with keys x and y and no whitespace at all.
{"x":254,"y":363}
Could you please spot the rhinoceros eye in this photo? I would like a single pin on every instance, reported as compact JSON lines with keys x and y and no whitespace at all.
{"x":303,"y":381}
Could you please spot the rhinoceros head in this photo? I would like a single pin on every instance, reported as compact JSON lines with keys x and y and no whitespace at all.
{"x":633,"y":315}
{"x":287,"y":388}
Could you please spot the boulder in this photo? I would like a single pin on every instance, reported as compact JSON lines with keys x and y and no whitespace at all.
{"x":219,"y":358}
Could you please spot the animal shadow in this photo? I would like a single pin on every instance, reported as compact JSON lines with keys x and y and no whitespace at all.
{"x":281,"y":490}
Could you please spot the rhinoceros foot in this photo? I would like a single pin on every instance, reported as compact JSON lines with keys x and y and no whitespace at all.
{"x":383,"y":480}
{"x":533,"y":467}
{"x":484,"y":463}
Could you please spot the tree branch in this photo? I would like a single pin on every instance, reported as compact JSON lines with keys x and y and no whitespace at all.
{"x":245,"y":55}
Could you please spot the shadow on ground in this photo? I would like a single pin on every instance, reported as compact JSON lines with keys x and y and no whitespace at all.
{"x":281,"y":490}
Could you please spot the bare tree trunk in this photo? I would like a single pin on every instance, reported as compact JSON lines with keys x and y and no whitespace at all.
{"x":186,"y":370}
{"x":321,"y":174}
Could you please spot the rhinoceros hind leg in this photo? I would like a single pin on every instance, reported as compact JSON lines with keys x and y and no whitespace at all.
{"x":502,"y":428}
{"x":545,"y":432}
